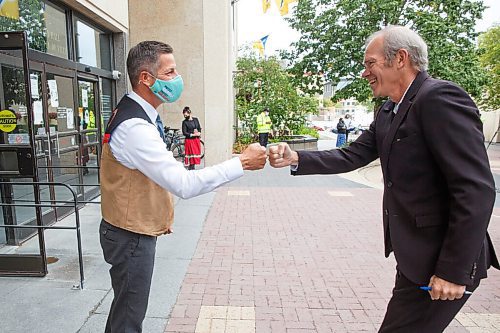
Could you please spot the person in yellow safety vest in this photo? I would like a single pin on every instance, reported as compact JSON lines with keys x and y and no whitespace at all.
{"x":91,"y":120}
{"x":264,"y":124}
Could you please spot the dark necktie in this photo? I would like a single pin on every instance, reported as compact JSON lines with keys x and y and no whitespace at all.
{"x":159,"y":127}
{"x":394,"y":111}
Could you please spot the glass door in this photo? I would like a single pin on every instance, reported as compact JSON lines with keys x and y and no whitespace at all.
{"x":13,"y":106}
{"x":20,"y":192}
{"x":37,"y":77}
{"x":61,"y":134}
{"x":89,"y":122}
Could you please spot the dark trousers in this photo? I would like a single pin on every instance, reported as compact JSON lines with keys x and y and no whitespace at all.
{"x":263,"y":137}
{"x":412,"y":310}
{"x":131,"y":257}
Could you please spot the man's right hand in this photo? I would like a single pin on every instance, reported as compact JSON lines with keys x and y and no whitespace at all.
{"x":253,"y":157}
{"x":444,"y":290}
{"x":281,"y":156}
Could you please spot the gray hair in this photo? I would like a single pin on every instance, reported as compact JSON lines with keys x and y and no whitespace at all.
{"x":397,"y":37}
{"x":145,"y":57}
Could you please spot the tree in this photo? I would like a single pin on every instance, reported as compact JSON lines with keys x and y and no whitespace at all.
{"x":263,"y":83}
{"x":31,"y":20}
{"x":327,"y":103}
{"x":489,"y":47}
{"x":333,"y":34}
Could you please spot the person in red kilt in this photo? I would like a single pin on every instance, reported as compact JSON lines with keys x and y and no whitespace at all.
{"x":191,"y":129}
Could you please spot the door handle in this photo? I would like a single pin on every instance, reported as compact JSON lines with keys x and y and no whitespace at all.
{"x":57,"y":142}
{"x":49,"y":143}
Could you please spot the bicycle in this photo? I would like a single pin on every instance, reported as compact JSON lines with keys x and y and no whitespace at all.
{"x":175,"y":143}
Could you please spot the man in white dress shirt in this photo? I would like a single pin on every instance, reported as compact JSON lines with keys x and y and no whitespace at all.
{"x":138,"y":174}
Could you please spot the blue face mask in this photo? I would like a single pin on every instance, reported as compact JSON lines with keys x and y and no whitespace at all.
{"x":168,"y":91}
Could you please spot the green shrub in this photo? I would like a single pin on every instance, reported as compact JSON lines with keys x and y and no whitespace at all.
{"x":308,"y":131}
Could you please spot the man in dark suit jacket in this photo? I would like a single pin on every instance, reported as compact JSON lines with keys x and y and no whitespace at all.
{"x":438,"y":187}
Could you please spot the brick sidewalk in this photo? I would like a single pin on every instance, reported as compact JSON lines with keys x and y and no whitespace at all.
{"x":301,"y":254}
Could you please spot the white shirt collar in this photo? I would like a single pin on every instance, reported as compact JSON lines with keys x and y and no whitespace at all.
{"x":150,"y":110}
{"x":396,"y":107}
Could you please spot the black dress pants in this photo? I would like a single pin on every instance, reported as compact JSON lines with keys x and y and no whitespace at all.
{"x":263,"y":137}
{"x":131,"y":257}
{"x":412,"y":310}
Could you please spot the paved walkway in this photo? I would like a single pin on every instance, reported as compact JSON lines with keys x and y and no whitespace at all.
{"x":303,"y":254}
{"x":268,"y":253}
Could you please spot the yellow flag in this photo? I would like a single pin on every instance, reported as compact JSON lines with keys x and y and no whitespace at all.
{"x":259,"y":46}
{"x":266,"y":4}
{"x":9,"y":8}
{"x":283,"y":5}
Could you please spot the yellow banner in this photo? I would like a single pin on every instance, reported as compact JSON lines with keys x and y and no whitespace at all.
{"x":266,"y":4}
{"x":259,"y":46}
{"x":9,"y":8}
{"x":283,"y":6}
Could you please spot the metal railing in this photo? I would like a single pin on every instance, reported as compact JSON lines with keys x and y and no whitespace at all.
{"x":53,"y":204}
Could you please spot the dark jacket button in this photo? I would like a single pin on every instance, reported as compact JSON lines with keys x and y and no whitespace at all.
{"x":473,"y":273}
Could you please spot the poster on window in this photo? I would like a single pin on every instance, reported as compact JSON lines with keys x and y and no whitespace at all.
{"x":23,"y":110}
{"x":54,"y":96}
{"x":37,"y":112}
{"x":34,"y":86}
{"x":70,"y":120}
{"x":85,"y":98}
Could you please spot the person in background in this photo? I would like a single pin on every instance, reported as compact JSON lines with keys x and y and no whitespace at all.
{"x":439,"y":191}
{"x":341,"y":133}
{"x":264,"y":125}
{"x":349,"y":126}
{"x":138,"y":175}
{"x":191,"y":129}
{"x":83,"y":152}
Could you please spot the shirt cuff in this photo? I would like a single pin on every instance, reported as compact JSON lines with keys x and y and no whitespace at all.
{"x":294,"y":168}
{"x":234,"y":169}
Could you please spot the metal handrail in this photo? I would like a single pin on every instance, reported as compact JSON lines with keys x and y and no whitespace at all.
{"x":77,"y":217}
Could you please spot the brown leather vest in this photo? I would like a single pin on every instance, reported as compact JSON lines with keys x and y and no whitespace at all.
{"x":132,"y":201}
{"x":129,"y":199}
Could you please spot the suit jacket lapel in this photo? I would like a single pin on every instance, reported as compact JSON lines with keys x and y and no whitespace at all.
{"x":404,"y":107}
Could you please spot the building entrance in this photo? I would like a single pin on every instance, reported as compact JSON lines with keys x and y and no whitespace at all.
{"x":50,"y":114}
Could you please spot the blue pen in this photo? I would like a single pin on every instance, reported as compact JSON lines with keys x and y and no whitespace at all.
{"x":426,"y":288}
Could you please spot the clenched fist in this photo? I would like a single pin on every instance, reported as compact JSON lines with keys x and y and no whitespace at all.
{"x":253,"y":157}
{"x":444,"y":290}
{"x":281,"y":156}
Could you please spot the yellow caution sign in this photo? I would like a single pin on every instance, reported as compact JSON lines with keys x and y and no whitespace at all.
{"x":8,"y":121}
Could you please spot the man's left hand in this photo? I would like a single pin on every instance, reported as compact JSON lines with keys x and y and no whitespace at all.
{"x":445,"y":290}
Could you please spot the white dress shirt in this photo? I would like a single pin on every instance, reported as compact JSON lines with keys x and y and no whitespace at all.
{"x":136,"y":144}
{"x":396,"y":107}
